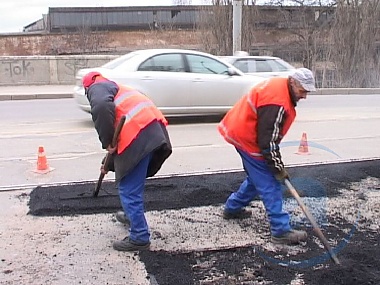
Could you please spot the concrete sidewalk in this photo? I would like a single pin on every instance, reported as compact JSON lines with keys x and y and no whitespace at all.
{"x":28,"y":92}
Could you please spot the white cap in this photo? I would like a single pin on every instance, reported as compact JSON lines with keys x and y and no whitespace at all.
{"x":306,"y":78}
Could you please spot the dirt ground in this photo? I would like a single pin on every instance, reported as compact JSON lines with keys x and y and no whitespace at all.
{"x":62,"y":235}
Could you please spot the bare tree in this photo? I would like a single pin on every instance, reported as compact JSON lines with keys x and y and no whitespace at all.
{"x":302,"y":23}
{"x":347,"y":39}
{"x":307,"y":23}
{"x":216,"y":24}
{"x":353,"y":43}
{"x":83,"y":41}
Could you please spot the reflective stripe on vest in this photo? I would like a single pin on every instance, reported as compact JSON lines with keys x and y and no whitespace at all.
{"x":229,"y":139}
{"x":123,"y":96}
{"x":253,"y":107}
{"x":139,"y":111}
{"x":223,"y":128}
{"x":239,"y":125}
{"x":129,"y":116}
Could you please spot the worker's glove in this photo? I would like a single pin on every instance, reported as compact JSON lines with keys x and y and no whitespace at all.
{"x":282,"y":175}
{"x":110,"y":166}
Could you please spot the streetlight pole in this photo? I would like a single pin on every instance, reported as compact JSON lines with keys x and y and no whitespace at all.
{"x":236,"y":31}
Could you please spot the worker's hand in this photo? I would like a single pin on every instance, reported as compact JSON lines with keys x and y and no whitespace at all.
{"x":283,"y":174}
{"x":111,"y":149}
{"x":110,"y":165}
{"x":102,"y":170}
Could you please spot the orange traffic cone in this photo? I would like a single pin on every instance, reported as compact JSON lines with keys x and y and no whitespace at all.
{"x":42,"y":164}
{"x":303,"y":147}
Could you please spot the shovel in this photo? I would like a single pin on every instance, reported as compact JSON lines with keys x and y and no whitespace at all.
{"x":108,"y":156}
{"x":316,"y":229}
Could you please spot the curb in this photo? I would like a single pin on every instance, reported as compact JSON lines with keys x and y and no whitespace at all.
{"x":346,"y":91}
{"x":63,"y":95}
{"x":5,"y":97}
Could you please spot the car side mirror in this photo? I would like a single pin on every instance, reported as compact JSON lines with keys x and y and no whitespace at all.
{"x":232,"y":72}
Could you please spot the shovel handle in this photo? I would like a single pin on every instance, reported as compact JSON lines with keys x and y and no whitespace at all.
{"x":108,"y":156}
{"x":316,"y":229}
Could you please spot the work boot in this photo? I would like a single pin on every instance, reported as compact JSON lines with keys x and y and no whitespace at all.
{"x":120,"y":217}
{"x":290,"y":238}
{"x":241,"y":214}
{"x":129,"y":245}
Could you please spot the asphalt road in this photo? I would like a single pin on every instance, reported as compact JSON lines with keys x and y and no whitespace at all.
{"x":338,"y":128}
{"x":76,"y":248}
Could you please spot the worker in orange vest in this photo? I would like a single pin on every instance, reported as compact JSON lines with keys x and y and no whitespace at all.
{"x":256,"y":125}
{"x":142,"y":148}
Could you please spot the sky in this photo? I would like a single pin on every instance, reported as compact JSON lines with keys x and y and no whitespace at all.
{"x":16,"y":14}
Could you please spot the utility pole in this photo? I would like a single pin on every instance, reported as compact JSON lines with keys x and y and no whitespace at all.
{"x":236,"y":31}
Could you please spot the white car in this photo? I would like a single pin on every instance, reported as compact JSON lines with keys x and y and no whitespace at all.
{"x":180,"y":82}
{"x":265,"y":66}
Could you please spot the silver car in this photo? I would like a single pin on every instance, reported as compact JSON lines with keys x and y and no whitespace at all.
{"x":180,"y":82}
{"x":265,"y":66}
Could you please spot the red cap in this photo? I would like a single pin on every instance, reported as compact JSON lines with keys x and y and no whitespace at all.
{"x":89,"y":78}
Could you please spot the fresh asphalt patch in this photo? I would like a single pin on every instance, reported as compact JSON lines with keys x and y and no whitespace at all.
{"x":249,"y":264}
{"x":178,"y":192}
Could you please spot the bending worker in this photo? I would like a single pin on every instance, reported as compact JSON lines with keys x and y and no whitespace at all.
{"x":255,"y":126}
{"x":142,"y":148}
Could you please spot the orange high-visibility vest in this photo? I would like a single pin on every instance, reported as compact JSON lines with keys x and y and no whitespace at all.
{"x":239,"y":126}
{"x":139,"y":111}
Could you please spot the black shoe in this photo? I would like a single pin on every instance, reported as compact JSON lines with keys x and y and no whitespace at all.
{"x":120,"y":217}
{"x":128,"y":245}
{"x":242,"y":214}
{"x":290,"y":238}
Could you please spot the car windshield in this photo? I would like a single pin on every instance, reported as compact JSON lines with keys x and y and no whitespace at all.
{"x":118,"y":61}
{"x":257,"y":64}
{"x":171,"y":62}
{"x":202,"y":64}
{"x":281,"y":65}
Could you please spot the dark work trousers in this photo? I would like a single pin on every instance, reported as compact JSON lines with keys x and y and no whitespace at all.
{"x":131,"y":192}
{"x":260,"y":181}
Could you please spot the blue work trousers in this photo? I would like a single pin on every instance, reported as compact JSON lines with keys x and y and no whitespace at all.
{"x":260,"y":181}
{"x":131,"y":192}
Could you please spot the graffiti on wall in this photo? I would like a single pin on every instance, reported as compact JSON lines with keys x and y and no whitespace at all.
{"x":46,"y":70}
{"x":17,"y":68}
{"x":72,"y":66}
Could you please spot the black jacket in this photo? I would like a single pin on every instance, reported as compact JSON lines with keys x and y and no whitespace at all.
{"x":153,"y":138}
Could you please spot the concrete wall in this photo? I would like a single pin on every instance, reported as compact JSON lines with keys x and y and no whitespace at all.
{"x":107,"y":42}
{"x":45,"y":70}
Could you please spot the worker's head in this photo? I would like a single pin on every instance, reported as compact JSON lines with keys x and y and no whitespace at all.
{"x":89,"y":79}
{"x":302,"y":81}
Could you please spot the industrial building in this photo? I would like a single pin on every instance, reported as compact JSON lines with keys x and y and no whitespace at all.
{"x":72,"y":19}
